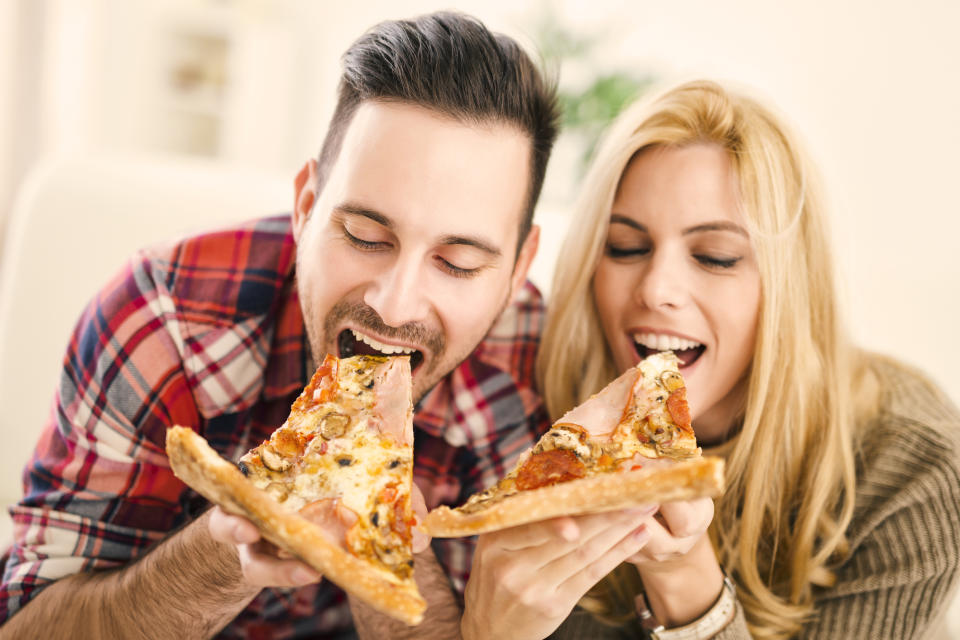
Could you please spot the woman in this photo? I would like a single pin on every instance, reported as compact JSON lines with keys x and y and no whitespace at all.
{"x":704,"y":232}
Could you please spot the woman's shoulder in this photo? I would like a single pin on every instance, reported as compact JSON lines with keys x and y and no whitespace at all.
{"x":908,"y":444}
{"x":908,"y":406}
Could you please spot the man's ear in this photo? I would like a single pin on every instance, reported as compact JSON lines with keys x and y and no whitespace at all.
{"x":304,"y":194}
{"x":527,"y":253}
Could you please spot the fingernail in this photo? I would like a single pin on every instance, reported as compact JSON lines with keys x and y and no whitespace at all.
{"x":304,"y":576}
{"x":641,"y":534}
{"x":645,"y":510}
{"x":242,"y":534}
{"x":570,"y":533}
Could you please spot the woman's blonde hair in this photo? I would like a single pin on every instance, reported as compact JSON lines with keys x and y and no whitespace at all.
{"x":779,"y":523}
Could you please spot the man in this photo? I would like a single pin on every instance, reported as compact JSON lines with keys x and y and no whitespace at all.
{"x":411,"y":233}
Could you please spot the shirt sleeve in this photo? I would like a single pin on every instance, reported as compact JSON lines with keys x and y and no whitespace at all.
{"x":98,"y":489}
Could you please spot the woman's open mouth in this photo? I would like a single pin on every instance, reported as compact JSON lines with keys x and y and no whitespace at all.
{"x":687,"y":351}
{"x":353,"y":343}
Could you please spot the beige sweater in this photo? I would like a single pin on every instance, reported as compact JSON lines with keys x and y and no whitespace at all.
{"x":902,"y":566}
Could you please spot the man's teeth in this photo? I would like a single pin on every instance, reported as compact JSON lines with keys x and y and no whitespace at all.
{"x":379,"y":346}
{"x":659,"y":342}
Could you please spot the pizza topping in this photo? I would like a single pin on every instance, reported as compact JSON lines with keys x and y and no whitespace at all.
{"x":334,"y":425}
{"x":343,"y":451}
{"x":678,"y":407}
{"x":549,"y":467}
{"x":272,"y":460}
{"x":671,"y":381}
{"x":331,"y":515}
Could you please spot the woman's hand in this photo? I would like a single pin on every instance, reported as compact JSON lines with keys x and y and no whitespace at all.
{"x":526,"y":580}
{"x":679,"y":569}
{"x":673,"y":533}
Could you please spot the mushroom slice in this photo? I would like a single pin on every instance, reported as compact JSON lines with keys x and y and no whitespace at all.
{"x":272,"y":460}
{"x":334,"y":425}
{"x":671,"y":380}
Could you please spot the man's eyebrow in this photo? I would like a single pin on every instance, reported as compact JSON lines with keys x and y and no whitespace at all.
{"x":473,"y":241}
{"x":357,"y":210}
{"x":719,"y":225}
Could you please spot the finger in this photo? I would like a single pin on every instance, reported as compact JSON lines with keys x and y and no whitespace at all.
{"x":265,"y":570}
{"x":533,"y":534}
{"x":421,"y":540}
{"x":688,"y":518}
{"x":588,"y":550}
{"x":663,"y":545}
{"x":567,"y":531}
{"x":231,"y":529}
{"x":584,"y":579}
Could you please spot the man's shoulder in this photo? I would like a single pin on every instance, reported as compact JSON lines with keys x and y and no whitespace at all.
{"x":494,"y":387}
{"x":225,"y":274}
{"x":511,"y":343}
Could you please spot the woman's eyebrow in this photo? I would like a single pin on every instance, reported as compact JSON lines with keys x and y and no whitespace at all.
{"x":630,"y":222}
{"x":720,"y":225}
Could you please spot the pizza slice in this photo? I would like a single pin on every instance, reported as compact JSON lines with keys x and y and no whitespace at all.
{"x":333,"y":484}
{"x":630,"y":444}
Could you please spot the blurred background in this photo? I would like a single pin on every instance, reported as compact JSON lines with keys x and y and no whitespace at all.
{"x":127,"y":122}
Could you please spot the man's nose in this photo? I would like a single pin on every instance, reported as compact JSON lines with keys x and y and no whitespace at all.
{"x":398,"y":294}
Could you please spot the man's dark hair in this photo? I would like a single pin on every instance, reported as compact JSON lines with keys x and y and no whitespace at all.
{"x":452,"y":64}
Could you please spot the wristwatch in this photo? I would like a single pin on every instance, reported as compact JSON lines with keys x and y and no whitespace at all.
{"x":706,"y":626}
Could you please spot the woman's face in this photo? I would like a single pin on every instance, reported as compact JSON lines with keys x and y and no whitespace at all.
{"x":678,"y":272}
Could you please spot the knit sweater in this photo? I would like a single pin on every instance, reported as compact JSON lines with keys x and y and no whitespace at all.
{"x":897,"y":578}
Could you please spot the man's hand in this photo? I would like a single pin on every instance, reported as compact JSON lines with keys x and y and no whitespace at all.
{"x":526,"y":580}
{"x":262,"y":564}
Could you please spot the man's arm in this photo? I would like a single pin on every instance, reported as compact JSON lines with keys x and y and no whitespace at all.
{"x":442,"y":618}
{"x":189,"y":586}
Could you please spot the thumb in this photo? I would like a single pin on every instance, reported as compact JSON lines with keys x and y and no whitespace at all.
{"x":421,"y":540}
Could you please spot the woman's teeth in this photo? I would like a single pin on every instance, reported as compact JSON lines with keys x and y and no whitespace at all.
{"x":659,"y":342}
{"x":379,"y":346}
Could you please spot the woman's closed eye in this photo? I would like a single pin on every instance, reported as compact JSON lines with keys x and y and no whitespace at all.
{"x":626,"y":251}
{"x":716,"y":262}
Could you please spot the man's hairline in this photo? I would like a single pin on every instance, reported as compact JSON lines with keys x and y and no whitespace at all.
{"x":453,"y":117}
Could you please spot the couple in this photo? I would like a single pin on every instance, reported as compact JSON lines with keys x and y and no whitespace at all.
{"x":700,"y":230}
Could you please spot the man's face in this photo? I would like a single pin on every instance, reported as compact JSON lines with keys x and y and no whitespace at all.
{"x":409,"y":248}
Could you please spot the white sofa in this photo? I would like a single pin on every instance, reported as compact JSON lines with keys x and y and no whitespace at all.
{"x":74,"y":222}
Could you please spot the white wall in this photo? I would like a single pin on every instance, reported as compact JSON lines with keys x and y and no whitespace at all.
{"x":871,"y":86}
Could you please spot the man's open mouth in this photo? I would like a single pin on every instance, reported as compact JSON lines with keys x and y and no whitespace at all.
{"x":687,"y":351}
{"x":354,"y":343}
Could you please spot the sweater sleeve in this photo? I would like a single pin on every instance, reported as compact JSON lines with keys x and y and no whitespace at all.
{"x":901,"y":569}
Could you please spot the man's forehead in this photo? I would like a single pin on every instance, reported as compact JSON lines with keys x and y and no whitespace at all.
{"x":406,"y":165}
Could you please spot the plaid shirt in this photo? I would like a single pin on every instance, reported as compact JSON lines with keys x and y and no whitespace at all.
{"x":209,"y":333}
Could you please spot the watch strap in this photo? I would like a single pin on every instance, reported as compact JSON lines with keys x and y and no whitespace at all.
{"x":722,"y":613}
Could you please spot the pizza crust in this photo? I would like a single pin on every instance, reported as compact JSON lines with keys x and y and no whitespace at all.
{"x":198,"y":465}
{"x":700,"y":477}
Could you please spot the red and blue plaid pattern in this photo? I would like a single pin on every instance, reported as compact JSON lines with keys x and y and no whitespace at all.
{"x":209,"y":333}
